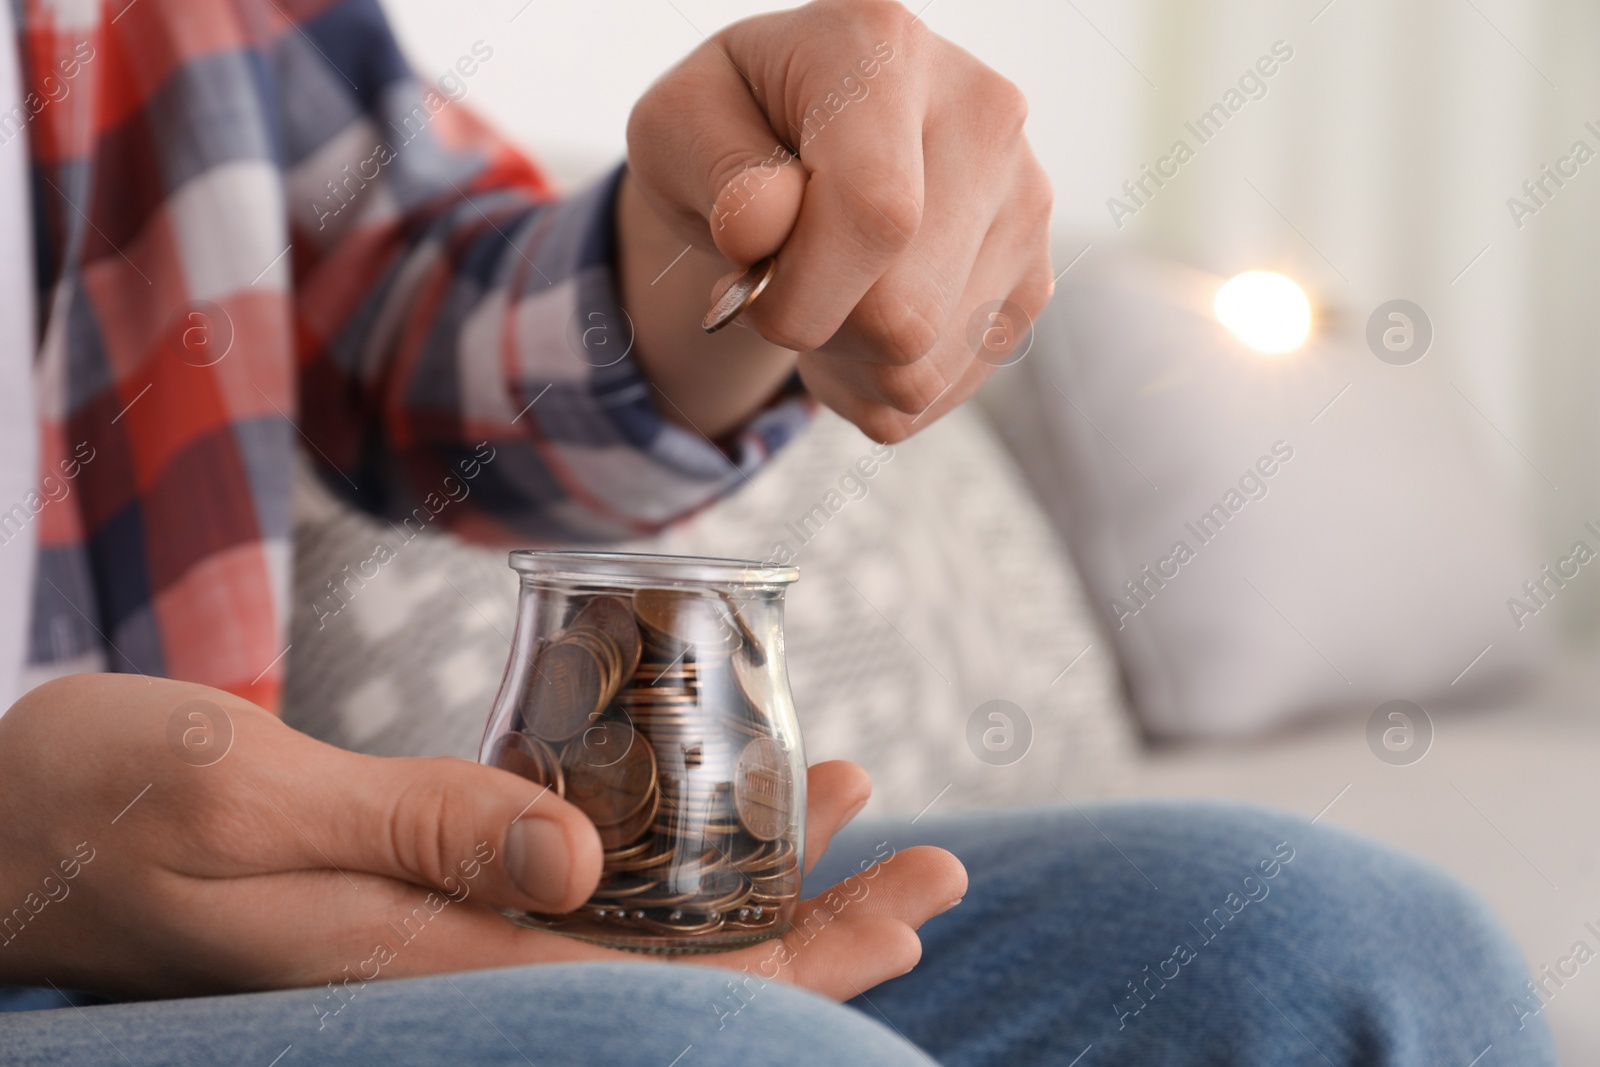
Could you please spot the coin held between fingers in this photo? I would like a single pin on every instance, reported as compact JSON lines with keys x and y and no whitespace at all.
{"x":740,"y":295}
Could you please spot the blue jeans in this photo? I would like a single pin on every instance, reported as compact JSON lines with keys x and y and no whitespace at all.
{"x":1131,"y":934}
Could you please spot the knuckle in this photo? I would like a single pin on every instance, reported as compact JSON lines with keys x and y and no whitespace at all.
{"x":651,"y":116}
{"x":889,"y":19}
{"x":789,"y":329}
{"x":884,"y":425}
{"x":419,"y":830}
{"x":884,"y":209}
{"x":1005,"y":103}
{"x":1039,"y":195}
{"x":910,"y":390}
{"x":901,"y":329}
{"x":885,"y":19}
{"x":1034,"y":292}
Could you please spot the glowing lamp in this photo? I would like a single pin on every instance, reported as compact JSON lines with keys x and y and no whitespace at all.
{"x":1266,"y":311}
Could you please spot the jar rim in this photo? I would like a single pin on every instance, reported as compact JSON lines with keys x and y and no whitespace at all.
{"x":644,"y":566}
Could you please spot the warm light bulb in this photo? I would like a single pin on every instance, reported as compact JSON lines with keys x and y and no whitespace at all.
{"x":1265,"y":310}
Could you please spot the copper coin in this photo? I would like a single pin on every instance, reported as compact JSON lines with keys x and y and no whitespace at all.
{"x":614,"y":616}
{"x":675,"y":617}
{"x":740,"y":295}
{"x":763,"y":789}
{"x":674,"y":664}
{"x":611,"y":772}
{"x":605,"y":650}
{"x":619,"y":835}
{"x":529,"y":757}
{"x":657,"y":609}
{"x":681,"y":701}
{"x":565,"y":692}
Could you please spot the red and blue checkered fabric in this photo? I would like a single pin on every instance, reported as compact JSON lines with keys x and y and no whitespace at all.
{"x":257,"y":231}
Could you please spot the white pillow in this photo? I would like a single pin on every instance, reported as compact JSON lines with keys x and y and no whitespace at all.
{"x":1265,"y":537}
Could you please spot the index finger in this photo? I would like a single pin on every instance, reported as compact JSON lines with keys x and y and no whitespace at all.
{"x":859,"y":136}
{"x":836,"y":791}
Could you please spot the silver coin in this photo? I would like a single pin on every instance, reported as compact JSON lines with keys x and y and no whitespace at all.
{"x":740,"y":295}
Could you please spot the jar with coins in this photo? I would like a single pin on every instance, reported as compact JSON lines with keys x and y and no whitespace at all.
{"x":650,"y":692}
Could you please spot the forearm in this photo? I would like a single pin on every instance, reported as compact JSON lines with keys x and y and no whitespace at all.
{"x":711,"y":383}
{"x":548,"y":432}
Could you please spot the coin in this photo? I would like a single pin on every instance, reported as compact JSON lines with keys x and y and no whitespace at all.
{"x":605,"y":650}
{"x":611,"y":773}
{"x":675,"y":617}
{"x":613,"y":615}
{"x":657,"y":609}
{"x":626,"y":832}
{"x":622,"y":889}
{"x":641,"y":857}
{"x":567,"y":691}
{"x":740,"y":295}
{"x":762,"y":787}
{"x":529,"y":757}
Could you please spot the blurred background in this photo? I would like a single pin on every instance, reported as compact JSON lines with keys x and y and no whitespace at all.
{"x":1349,"y":649}
{"x":1378,"y":165}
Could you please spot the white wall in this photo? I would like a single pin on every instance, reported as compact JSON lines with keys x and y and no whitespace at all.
{"x":565,"y":73}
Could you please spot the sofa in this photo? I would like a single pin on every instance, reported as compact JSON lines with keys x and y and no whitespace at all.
{"x":956,"y":578}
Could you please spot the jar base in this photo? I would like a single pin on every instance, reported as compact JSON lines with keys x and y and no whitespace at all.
{"x":663,"y":945}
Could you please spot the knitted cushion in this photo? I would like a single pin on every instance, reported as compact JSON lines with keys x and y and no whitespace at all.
{"x":930,"y":585}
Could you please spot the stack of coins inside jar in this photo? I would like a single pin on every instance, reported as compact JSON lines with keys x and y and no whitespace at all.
{"x":653,"y":711}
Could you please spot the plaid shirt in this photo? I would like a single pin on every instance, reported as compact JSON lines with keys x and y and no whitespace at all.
{"x":257,"y":230}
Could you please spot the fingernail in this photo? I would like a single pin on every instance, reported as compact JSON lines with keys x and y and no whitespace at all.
{"x":537,"y":861}
{"x":853,"y":812}
{"x":952,"y":904}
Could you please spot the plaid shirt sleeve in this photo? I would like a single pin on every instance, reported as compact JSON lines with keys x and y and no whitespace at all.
{"x":455,"y":318}
{"x":257,"y":231}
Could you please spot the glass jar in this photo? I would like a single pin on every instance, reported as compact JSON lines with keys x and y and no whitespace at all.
{"x":650,"y":692}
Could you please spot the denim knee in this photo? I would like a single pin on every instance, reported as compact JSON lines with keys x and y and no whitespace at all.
{"x":1385,"y":958}
{"x":1187,"y":932}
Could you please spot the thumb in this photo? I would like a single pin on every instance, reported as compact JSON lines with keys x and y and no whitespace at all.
{"x":464,"y":828}
{"x":756,"y":202}
{"x":700,"y":145}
